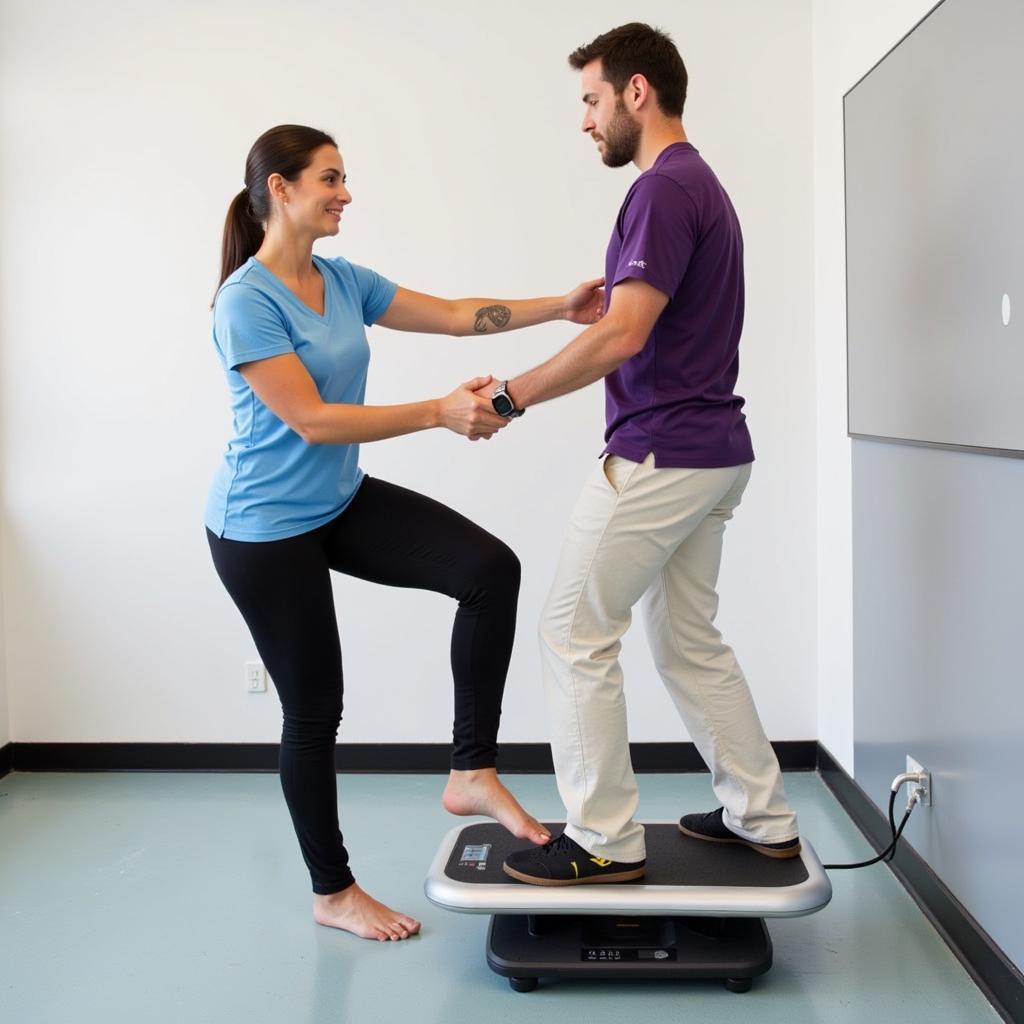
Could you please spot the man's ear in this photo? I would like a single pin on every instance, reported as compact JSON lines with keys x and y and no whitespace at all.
{"x":638,"y":92}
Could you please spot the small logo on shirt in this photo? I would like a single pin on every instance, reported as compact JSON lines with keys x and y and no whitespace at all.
{"x":642,"y":264}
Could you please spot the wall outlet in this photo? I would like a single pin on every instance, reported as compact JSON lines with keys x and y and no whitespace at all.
{"x":925,"y":786}
{"x":255,"y":677}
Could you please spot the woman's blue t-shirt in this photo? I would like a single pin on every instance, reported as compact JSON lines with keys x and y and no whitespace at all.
{"x":272,"y":484}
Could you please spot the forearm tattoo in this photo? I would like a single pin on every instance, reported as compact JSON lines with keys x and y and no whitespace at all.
{"x":498,"y":315}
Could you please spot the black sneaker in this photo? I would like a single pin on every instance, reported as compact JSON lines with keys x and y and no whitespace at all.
{"x":565,"y":862}
{"x":711,"y":828}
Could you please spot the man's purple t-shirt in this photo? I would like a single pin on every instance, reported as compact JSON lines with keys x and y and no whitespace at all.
{"x":677,"y":230}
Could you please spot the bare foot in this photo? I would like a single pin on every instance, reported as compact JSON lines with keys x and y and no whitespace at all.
{"x":482,"y":792}
{"x":354,"y":911}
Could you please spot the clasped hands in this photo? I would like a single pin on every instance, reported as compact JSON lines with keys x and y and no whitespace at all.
{"x":468,"y":409}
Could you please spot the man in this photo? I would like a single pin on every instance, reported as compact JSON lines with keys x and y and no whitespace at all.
{"x":649,"y":523}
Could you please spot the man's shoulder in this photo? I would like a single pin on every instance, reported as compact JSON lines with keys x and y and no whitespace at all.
{"x":685,"y":166}
{"x":656,"y":188}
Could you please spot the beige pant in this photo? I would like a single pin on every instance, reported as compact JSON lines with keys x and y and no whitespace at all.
{"x":656,"y":534}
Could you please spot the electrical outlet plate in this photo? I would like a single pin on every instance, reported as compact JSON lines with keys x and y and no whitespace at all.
{"x":255,"y":677}
{"x":926,"y":796}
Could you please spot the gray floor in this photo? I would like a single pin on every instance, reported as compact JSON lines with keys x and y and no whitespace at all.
{"x":178,"y":897}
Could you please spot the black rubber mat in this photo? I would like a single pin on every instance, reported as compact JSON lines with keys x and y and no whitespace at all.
{"x":672,"y":859}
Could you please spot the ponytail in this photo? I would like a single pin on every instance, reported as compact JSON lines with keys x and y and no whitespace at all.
{"x":286,"y":150}
{"x":243,"y":236}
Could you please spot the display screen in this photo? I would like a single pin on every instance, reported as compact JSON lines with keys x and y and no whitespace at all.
{"x":475,"y":856}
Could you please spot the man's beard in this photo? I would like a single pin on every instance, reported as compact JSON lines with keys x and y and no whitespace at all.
{"x":622,"y":137}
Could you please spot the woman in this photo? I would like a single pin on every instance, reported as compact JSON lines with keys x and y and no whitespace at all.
{"x":289,"y":503}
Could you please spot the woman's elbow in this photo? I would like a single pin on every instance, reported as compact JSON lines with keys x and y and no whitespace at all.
{"x":309,"y":428}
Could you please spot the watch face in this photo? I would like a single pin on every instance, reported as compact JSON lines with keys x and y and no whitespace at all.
{"x":502,"y":405}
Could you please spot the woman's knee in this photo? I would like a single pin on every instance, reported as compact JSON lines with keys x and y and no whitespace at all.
{"x":508,"y":567}
{"x":495,"y":570}
{"x":312,"y":725}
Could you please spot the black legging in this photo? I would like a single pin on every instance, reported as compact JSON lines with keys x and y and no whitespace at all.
{"x":282,"y":588}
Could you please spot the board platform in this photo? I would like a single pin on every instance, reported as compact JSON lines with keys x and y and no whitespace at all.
{"x":685,"y":877}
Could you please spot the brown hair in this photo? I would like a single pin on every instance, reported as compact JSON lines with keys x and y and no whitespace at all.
{"x":638,"y":49}
{"x":286,"y":150}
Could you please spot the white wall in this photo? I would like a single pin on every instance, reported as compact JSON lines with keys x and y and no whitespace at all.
{"x":849,"y":37}
{"x":124,"y":131}
{"x":5,"y":725}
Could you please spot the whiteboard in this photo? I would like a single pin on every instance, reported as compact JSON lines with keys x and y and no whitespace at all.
{"x":934,"y":153}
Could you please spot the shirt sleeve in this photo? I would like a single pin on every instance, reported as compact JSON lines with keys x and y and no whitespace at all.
{"x":248,"y":326}
{"x":375,"y":291}
{"x":658,"y":225}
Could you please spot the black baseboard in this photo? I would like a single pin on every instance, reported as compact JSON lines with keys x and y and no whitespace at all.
{"x":987,"y":964}
{"x":6,"y":759}
{"x":793,"y":755}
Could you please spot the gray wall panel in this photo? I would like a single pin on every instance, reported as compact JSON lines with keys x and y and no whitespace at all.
{"x":935,"y":232}
{"x":938,"y":601}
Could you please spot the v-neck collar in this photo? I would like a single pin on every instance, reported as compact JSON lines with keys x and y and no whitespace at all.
{"x":282,"y":287}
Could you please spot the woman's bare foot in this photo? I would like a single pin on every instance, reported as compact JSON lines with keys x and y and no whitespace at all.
{"x":481,"y":792}
{"x":354,"y":911}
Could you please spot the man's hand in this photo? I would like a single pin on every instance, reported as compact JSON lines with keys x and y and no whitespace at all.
{"x":585,"y":303}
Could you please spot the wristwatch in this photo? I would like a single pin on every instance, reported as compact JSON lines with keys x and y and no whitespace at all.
{"x":503,"y":404}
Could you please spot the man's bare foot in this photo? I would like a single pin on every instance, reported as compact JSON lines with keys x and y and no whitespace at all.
{"x":482,"y":792}
{"x":354,"y":911}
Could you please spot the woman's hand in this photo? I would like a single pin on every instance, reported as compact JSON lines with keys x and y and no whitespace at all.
{"x":470,"y":415}
{"x":585,"y":303}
